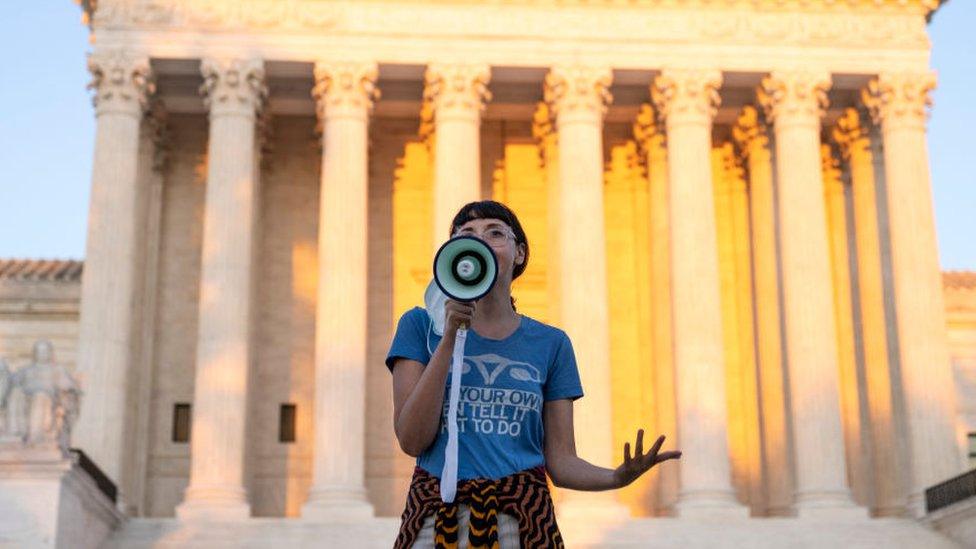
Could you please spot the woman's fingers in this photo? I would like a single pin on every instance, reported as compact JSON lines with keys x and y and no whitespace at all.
{"x":674,"y":454}
{"x":639,"y":448}
{"x":626,"y":453}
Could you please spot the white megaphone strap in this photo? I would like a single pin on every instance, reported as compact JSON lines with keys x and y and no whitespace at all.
{"x":450,"y":472}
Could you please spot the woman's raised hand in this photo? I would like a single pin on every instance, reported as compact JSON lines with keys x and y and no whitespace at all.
{"x":633,"y":467}
{"x":456,"y":313}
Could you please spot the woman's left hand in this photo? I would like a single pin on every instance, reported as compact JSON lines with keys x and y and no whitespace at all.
{"x":633,"y":467}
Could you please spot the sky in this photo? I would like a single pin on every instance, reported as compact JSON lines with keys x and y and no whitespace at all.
{"x":47,"y":131}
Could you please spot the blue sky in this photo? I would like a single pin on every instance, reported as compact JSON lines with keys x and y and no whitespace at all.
{"x":47,"y":131}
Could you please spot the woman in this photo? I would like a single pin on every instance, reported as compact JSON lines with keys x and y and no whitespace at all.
{"x":515,"y":417}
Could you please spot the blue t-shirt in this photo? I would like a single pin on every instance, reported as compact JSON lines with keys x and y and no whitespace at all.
{"x":503,"y":385}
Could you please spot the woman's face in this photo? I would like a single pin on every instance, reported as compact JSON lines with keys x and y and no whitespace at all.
{"x":509,"y":254}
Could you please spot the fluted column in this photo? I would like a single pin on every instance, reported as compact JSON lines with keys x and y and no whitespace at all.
{"x":107,"y":331}
{"x":458,"y":94}
{"x":794,"y":103}
{"x":853,"y":410}
{"x":234,"y":92}
{"x":687,"y":101}
{"x":577,"y":97}
{"x":344,"y":94}
{"x":650,"y":137}
{"x":546,"y":139}
{"x":751,"y":136}
{"x":854,"y":142}
{"x":898,"y":104}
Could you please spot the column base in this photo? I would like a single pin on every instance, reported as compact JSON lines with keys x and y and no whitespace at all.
{"x":828,"y":505}
{"x":591,"y":507}
{"x":709,"y":504}
{"x":337,"y":503}
{"x":216,"y":504}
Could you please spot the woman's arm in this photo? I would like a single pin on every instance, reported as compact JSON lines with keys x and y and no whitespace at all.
{"x":570,"y":471}
{"x":418,"y":397}
{"x":563,"y":465}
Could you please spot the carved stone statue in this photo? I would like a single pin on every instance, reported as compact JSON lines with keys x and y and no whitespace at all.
{"x":40,"y":400}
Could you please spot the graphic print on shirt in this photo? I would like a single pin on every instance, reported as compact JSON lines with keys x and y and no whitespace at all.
{"x":496,"y":408}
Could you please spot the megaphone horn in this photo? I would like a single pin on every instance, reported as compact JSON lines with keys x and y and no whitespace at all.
{"x":465,"y":268}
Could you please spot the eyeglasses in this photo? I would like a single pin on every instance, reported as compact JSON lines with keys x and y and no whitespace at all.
{"x":494,"y":236}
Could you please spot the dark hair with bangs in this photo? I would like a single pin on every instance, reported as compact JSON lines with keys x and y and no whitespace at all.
{"x":490,"y":209}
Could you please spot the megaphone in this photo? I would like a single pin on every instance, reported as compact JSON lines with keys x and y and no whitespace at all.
{"x":465,"y":269}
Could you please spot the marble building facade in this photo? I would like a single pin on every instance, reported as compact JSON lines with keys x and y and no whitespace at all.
{"x":747,"y":183}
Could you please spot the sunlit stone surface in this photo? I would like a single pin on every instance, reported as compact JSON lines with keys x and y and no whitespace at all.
{"x":743,"y":264}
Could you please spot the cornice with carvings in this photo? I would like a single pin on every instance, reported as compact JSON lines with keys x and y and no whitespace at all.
{"x":895,"y":23}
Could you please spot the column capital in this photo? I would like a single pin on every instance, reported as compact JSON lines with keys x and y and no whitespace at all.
{"x":850,"y":136}
{"x":157,"y":121}
{"x":344,"y":89}
{"x":123,"y":82}
{"x":830,"y":165}
{"x":750,"y":130}
{"x":543,"y":130}
{"x":794,"y":97}
{"x":687,"y":95}
{"x":457,"y":90}
{"x":899,"y":99}
{"x":578,"y":91}
{"x":648,"y":134}
{"x":233,"y":86}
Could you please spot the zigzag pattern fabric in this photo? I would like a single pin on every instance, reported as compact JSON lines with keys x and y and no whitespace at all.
{"x":524,"y":495}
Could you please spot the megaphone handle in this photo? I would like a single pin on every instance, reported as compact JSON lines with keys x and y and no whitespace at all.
{"x":450,"y":471}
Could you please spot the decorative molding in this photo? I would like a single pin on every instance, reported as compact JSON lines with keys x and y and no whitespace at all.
{"x":543,"y":130}
{"x":794,"y":96}
{"x":687,"y":95}
{"x":425,"y":130}
{"x":801,"y":22}
{"x":850,"y":135}
{"x":897,"y":100}
{"x":578,"y":90}
{"x":749,"y":131}
{"x":830,"y":167}
{"x":157,"y":123}
{"x":457,"y":89}
{"x":122,"y":82}
{"x":648,"y":135}
{"x":233,"y":86}
{"x":344,"y":89}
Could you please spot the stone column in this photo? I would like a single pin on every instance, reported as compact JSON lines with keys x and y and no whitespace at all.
{"x":111,"y":284}
{"x":752,"y":138}
{"x":344,"y":94}
{"x":651,"y":139}
{"x":745,"y":320}
{"x":686,"y":100}
{"x":853,"y":411}
{"x":234,"y":92}
{"x":548,"y":144}
{"x":898,"y":104}
{"x":577,"y":97}
{"x":458,"y":94}
{"x":794,"y":103}
{"x":854,"y":142}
